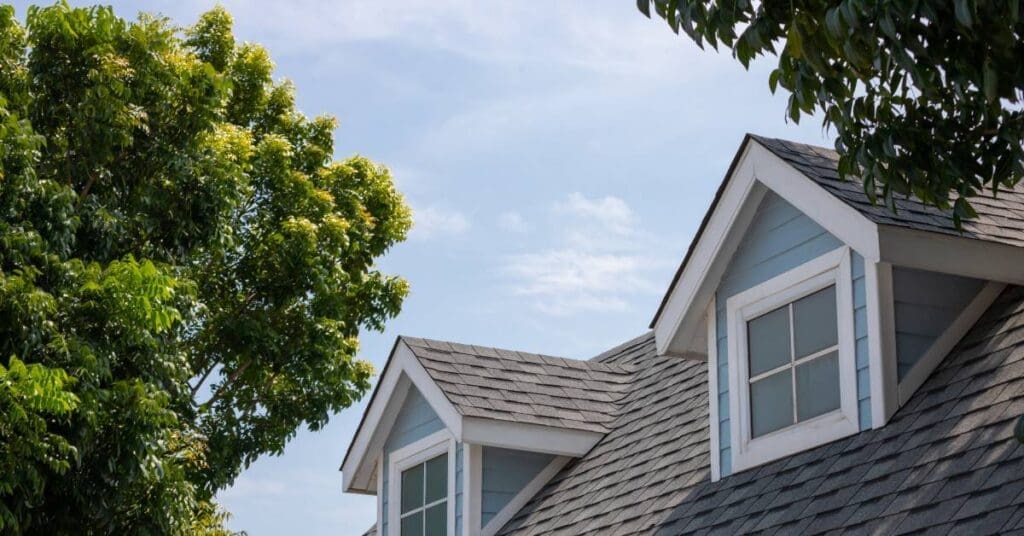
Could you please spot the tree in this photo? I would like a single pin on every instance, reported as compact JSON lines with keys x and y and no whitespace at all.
{"x":924,"y":96}
{"x":184,"y":269}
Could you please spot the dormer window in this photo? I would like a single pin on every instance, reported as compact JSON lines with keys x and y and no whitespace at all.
{"x":795,"y":381}
{"x":793,"y":356}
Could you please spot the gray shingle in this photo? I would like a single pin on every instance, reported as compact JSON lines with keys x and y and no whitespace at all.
{"x":946,"y":463}
{"x":505,"y":385}
{"x":1000,"y":219}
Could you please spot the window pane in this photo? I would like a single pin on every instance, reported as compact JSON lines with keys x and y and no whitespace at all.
{"x":817,"y":386}
{"x":437,"y":520}
{"x":814,"y":319}
{"x":437,"y":478}
{"x":771,"y":403}
{"x":768,"y":341}
{"x":412,"y":488}
{"x":412,"y":525}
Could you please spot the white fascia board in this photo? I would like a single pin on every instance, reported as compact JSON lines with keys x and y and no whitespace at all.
{"x":683,"y":313}
{"x":841,"y":220}
{"x":531,"y":437}
{"x":957,"y":255}
{"x":679,"y":328}
{"x":403,"y":370}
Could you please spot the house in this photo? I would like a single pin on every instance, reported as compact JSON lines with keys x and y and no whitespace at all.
{"x":818,"y":365}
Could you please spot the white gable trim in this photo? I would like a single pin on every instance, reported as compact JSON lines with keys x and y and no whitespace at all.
{"x":402,"y":371}
{"x":528,"y":492}
{"x":679,"y":328}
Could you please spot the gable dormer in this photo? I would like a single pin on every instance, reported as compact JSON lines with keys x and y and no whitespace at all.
{"x":457,"y":438}
{"x":819,"y":313}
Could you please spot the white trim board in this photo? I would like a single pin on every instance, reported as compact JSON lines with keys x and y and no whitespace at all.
{"x":528,"y":492}
{"x":829,"y":269}
{"x":472,"y":488}
{"x":679,"y":328}
{"x":956,"y":255}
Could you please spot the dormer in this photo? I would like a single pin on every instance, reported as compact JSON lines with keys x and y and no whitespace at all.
{"x":457,"y":438}
{"x":819,"y":313}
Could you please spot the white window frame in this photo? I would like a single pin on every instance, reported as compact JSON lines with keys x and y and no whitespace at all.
{"x":432,"y":446}
{"x":830,"y":269}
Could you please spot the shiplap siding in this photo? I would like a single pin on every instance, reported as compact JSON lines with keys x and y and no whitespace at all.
{"x":926,"y":304}
{"x":779,"y":238}
{"x":416,"y":420}
{"x":860,"y":333}
{"x":505,"y":473}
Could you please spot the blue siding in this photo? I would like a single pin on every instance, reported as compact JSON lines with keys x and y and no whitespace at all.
{"x":926,"y":304}
{"x":505,"y":473}
{"x":415,"y":421}
{"x":779,"y":238}
{"x":458,"y":487}
{"x":860,"y":334}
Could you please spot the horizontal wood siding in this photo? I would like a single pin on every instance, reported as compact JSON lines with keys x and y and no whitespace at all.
{"x":505,"y":473}
{"x":926,"y":304}
{"x":860,"y":333}
{"x":779,"y":238}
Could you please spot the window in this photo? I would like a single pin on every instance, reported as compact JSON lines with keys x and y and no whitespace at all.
{"x":794,"y":363}
{"x":422,"y":480}
{"x":792,"y":375}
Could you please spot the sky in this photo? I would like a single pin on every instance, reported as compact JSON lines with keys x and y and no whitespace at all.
{"x":559,"y":157}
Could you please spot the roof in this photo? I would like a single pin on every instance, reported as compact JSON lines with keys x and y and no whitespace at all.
{"x":946,"y":462}
{"x":1000,"y":218}
{"x":506,"y":385}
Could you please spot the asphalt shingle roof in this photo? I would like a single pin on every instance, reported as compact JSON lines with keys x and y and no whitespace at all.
{"x":522,"y":387}
{"x":1000,"y":219}
{"x":947,"y":462}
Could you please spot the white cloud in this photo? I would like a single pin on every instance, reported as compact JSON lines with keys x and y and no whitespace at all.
{"x":601,"y":261}
{"x":512,"y":222}
{"x":609,"y":211}
{"x":613,"y":39}
{"x":433,"y":221}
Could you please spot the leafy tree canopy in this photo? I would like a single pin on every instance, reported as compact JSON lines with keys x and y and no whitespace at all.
{"x":924,"y":95}
{"x":184,"y":269}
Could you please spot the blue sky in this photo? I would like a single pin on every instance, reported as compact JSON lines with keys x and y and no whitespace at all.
{"x":559,"y":157}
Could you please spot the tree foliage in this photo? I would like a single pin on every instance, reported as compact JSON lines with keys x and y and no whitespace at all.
{"x":184,"y":269}
{"x":924,"y":95}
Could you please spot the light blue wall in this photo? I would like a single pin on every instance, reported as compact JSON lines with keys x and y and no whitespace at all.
{"x":416,"y":420}
{"x":779,"y":238}
{"x":505,"y":473}
{"x":926,"y":304}
{"x":860,"y":334}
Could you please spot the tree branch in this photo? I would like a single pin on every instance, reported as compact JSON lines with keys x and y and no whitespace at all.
{"x":231,"y":379}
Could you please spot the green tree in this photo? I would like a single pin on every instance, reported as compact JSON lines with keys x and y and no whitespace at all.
{"x":184,"y":269}
{"x":924,"y":96}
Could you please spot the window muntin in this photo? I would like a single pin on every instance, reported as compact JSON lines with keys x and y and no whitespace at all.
{"x":424,"y":498}
{"x":793,"y":356}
